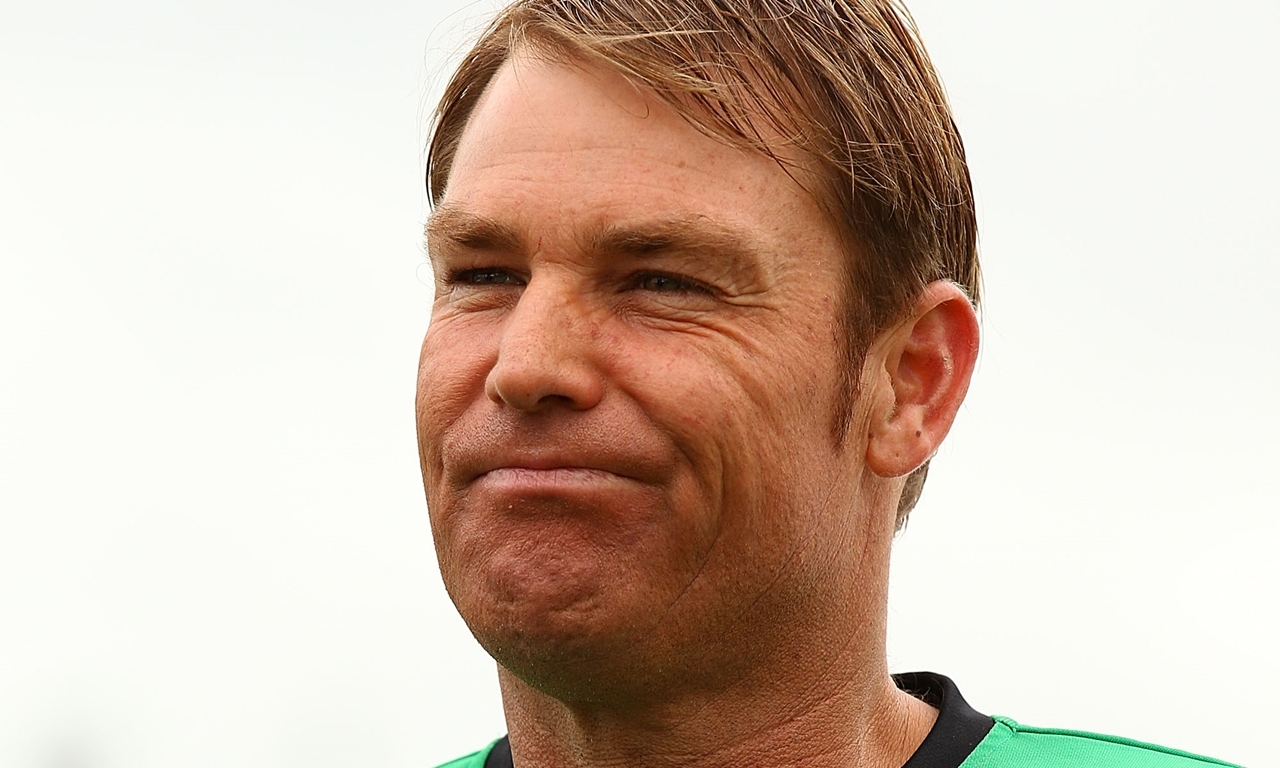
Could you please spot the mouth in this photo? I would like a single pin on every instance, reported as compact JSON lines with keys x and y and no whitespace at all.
{"x":501,"y":454}
{"x":548,"y":480}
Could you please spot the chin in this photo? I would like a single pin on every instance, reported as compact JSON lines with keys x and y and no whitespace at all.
{"x":573,"y":655}
{"x":569,"y":630}
{"x":566,"y":596}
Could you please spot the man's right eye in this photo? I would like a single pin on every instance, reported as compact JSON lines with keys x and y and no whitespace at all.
{"x":484,"y":276}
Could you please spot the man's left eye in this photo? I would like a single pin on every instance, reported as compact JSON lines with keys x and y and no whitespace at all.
{"x":669,"y":284}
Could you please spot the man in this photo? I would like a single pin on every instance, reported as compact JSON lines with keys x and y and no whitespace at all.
{"x":706,"y":281}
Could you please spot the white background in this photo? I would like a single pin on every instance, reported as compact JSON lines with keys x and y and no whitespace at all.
{"x":213,"y":545}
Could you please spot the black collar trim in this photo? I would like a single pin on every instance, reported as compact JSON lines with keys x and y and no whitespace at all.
{"x":958,"y":728}
{"x":500,"y":755}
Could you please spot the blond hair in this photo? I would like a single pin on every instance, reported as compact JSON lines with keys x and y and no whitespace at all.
{"x":844,"y":84}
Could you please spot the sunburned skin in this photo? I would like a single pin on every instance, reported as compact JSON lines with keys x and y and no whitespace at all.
{"x":624,"y":411}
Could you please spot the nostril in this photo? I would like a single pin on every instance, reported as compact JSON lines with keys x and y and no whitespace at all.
{"x":534,"y":379}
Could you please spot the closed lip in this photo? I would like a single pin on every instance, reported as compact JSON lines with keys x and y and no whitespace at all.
{"x":554,"y":468}
{"x":472,"y":451}
{"x":548,"y":477}
{"x":567,"y":469}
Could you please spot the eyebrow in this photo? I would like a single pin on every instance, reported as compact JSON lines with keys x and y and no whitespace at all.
{"x":693,"y":235}
{"x":464,"y":229}
{"x":690,"y":235}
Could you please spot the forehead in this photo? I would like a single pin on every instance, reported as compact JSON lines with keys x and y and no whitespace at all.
{"x":600,"y":146}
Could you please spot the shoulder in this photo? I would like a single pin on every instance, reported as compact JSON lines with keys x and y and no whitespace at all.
{"x":473,"y":760}
{"x":1012,"y":744}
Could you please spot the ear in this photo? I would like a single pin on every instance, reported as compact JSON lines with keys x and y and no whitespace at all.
{"x":927,"y":361}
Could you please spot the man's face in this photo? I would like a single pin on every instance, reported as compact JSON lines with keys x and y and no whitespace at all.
{"x":627,"y":391}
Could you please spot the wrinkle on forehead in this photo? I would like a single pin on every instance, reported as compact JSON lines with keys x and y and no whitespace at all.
{"x":762,"y":135}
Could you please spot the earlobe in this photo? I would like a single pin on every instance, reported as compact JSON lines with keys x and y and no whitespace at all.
{"x":928,"y":360}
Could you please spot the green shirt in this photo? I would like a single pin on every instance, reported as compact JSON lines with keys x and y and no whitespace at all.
{"x":1012,"y":745}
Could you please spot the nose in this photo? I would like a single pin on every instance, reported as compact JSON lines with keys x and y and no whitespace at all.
{"x":546,"y":352}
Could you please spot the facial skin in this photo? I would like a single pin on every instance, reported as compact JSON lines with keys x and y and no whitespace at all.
{"x":625,"y":405}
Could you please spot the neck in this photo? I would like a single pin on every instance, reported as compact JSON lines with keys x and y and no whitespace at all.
{"x":865,"y":723}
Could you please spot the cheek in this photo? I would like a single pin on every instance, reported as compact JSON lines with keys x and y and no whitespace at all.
{"x":452,"y":369}
{"x":735,"y":399}
{"x":751,"y":419}
{"x":712,"y":418}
